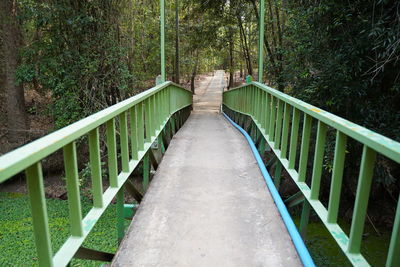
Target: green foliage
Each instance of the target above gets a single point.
(16, 233)
(343, 57)
(74, 50)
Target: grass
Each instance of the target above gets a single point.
(16, 234)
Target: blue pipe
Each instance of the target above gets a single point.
(301, 248)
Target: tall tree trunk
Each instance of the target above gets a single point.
(245, 46)
(194, 73)
(176, 76)
(14, 93)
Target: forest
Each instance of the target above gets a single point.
(63, 60)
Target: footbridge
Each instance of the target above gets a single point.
(206, 196)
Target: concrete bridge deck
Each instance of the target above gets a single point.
(208, 204)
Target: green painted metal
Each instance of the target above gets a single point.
(285, 131)
(305, 216)
(278, 173)
(240, 103)
(146, 171)
(272, 121)
(318, 160)
(95, 167)
(162, 39)
(294, 200)
(41, 231)
(170, 99)
(134, 132)
(124, 142)
(393, 258)
(261, 41)
(337, 177)
(293, 138)
(74, 199)
(112, 153)
(277, 140)
(130, 210)
(120, 215)
(305, 145)
(249, 79)
(361, 203)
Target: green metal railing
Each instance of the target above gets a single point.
(141, 118)
(277, 117)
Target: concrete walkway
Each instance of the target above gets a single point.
(208, 204)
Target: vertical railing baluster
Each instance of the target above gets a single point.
(112, 153)
(259, 101)
(147, 115)
(304, 218)
(244, 100)
(134, 132)
(267, 112)
(95, 168)
(263, 110)
(305, 147)
(361, 202)
(272, 119)
(146, 171)
(169, 96)
(277, 140)
(285, 131)
(393, 258)
(120, 214)
(124, 142)
(74, 198)
(34, 178)
(293, 138)
(318, 160)
(158, 108)
(337, 177)
(140, 126)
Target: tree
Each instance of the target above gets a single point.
(14, 92)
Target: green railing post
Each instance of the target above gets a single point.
(393, 258)
(95, 167)
(337, 177)
(112, 153)
(162, 39)
(318, 160)
(361, 203)
(37, 200)
(248, 79)
(120, 215)
(305, 215)
(261, 41)
(146, 172)
(74, 198)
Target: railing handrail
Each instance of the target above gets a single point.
(382, 144)
(19, 159)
